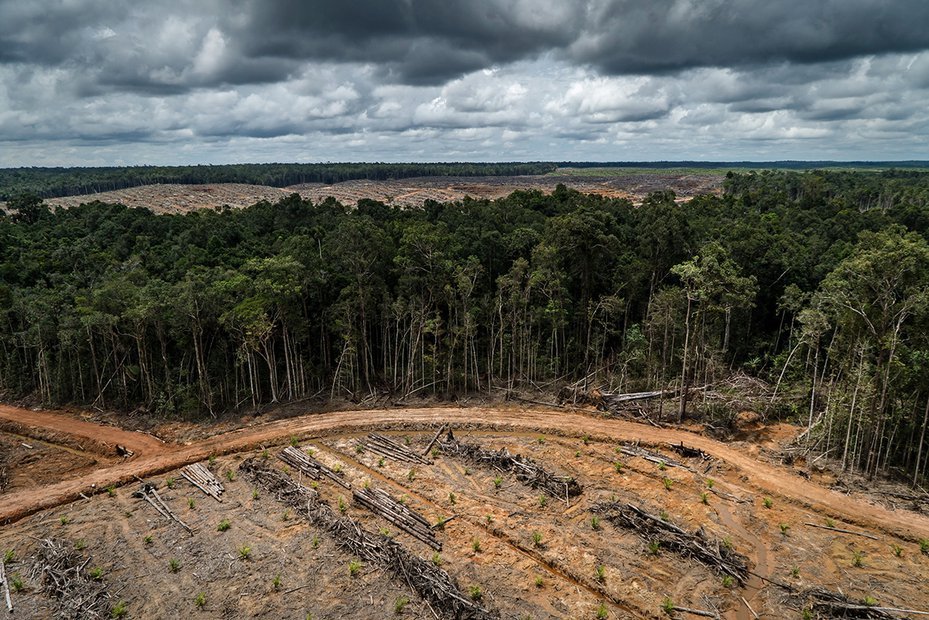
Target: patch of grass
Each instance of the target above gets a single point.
(223, 525)
(795, 572)
(435, 453)
(111, 491)
(709, 483)
(898, 550)
(211, 461)
(310, 451)
(667, 605)
(858, 559)
(728, 581)
(265, 454)
(119, 610)
(668, 483)
(385, 532)
(174, 565)
(489, 519)
(663, 514)
(80, 544)
(577, 454)
(619, 466)
(924, 545)
(381, 462)
(538, 581)
(343, 505)
(285, 516)
(452, 499)
(440, 523)
(96, 573)
(230, 475)
(65, 519)
(245, 552)
(537, 539)
(436, 559)
(540, 441)
(830, 522)
(147, 540)
(869, 601)
(767, 502)
(191, 503)
(354, 567)
(170, 482)
(727, 543)
(705, 498)
(475, 593)
(662, 466)
(200, 600)
(315, 542)
(294, 441)
(276, 582)
(476, 546)
(400, 604)
(467, 471)
(595, 522)
(9, 556)
(17, 582)
(359, 448)
(498, 482)
(600, 573)
(411, 475)
(586, 439)
(543, 501)
(784, 528)
(654, 547)
(254, 494)
(602, 612)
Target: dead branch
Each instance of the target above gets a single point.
(838, 529)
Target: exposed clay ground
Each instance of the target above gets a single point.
(403, 192)
(111, 527)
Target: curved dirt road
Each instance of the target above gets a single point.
(764, 477)
(98, 434)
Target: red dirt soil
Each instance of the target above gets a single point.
(153, 457)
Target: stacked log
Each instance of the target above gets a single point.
(525, 469)
(430, 582)
(412, 523)
(203, 479)
(391, 449)
(61, 570)
(697, 545)
(307, 465)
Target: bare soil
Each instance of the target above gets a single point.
(172, 198)
(535, 556)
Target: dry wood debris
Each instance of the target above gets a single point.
(62, 572)
(150, 494)
(652, 528)
(525, 469)
(387, 447)
(429, 581)
(309, 466)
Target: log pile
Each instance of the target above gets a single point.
(697, 545)
(391, 449)
(525, 469)
(150, 494)
(382, 503)
(308, 466)
(429, 581)
(62, 573)
(203, 479)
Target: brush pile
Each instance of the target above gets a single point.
(62, 571)
(697, 545)
(525, 469)
(429, 581)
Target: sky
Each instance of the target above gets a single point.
(123, 82)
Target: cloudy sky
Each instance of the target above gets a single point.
(95, 82)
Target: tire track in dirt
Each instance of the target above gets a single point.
(761, 476)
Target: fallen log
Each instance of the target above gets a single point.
(838, 529)
(438, 434)
(6, 587)
(148, 493)
(836, 605)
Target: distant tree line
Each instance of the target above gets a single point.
(816, 282)
(53, 182)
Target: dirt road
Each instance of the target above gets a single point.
(766, 478)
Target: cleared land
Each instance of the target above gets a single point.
(403, 192)
(511, 548)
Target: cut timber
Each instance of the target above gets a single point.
(388, 447)
(698, 545)
(435, 439)
(311, 467)
(380, 502)
(430, 582)
(148, 493)
(830, 604)
(838, 529)
(654, 457)
(525, 469)
(6, 587)
(203, 479)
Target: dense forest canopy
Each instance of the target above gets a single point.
(817, 282)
